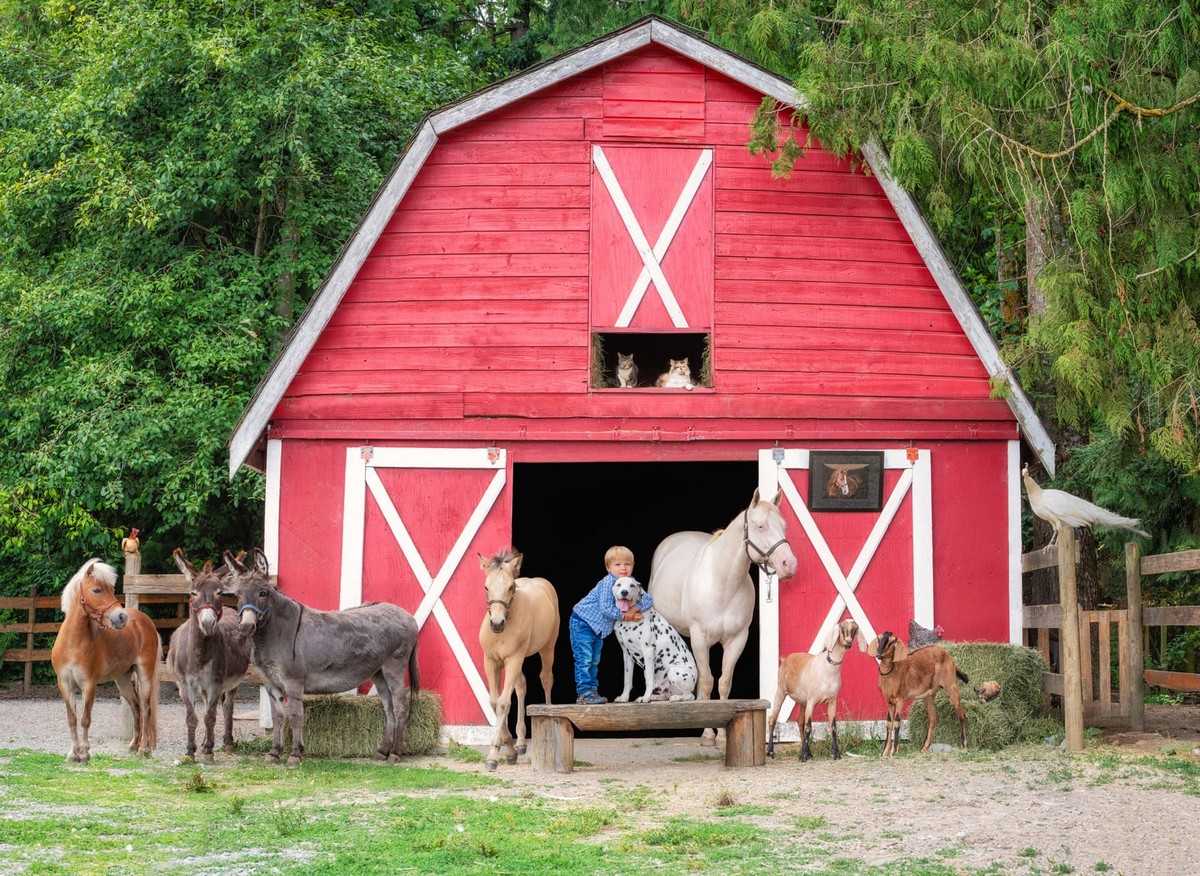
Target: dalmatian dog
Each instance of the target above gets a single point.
(653, 644)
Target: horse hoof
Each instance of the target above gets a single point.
(522, 748)
(272, 758)
(708, 740)
(229, 749)
(379, 755)
(490, 766)
(207, 757)
(512, 758)
(294, 761)
(393, 758)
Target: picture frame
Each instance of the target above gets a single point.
(845, 480)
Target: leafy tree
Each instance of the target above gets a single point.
(175, 181)
(1067, 132)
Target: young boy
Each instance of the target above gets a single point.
(593, 618)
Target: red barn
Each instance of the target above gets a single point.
(450, 389)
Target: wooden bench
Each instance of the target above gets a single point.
(552, 728)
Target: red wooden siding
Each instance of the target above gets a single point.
(476, 306)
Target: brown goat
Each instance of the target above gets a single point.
(810, 679)
(904, 677)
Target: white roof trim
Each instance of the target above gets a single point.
(653, 30)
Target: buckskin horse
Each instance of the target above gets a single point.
(521, 620)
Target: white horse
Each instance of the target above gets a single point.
(701, 583)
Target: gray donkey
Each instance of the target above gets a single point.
(300, 650)
(207, 656)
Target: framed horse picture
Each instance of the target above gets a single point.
(850, 480)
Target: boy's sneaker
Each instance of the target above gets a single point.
(591, 698)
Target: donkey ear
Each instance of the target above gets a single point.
(186, 569)
(232, 563)
(260, 562)
(873, 648)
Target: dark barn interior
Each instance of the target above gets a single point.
(566, 515)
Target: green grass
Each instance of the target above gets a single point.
(132, 816)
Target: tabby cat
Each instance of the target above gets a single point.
(678, 375)
(627, 371)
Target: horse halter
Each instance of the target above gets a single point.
(97, 616)
(765, 562)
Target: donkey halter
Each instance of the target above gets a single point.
(765, 562)
(217, 607)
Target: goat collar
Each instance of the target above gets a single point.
(889, 672)
(829, 659)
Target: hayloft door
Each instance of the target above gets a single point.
(875, 566)
(415, 520)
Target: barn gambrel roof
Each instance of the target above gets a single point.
(648, 31)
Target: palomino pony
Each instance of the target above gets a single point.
(299, 650)
(700, 582)
(99, 641)
(521, 619)
(207, 656)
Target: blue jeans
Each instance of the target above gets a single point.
(585, 649)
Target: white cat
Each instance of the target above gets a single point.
(679, 375)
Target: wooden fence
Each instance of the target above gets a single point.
(43, 615)
(1082, 675)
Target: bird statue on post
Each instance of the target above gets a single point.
(131, 547)
(1058, 507)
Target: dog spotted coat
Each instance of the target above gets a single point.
(655, 646)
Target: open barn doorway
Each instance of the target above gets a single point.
(566, 515)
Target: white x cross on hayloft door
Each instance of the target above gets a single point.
(415, 519)
(652, 228)
(873, 566)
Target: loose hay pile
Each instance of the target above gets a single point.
(352, 726)
(1016, 715)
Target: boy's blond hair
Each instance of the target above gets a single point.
(616, 553)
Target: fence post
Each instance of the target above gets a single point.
(33, 599)
(1132, 674)
(1068, 600)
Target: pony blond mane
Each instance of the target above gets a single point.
(100, 571)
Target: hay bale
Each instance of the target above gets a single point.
(1016, 716)
(339, 726)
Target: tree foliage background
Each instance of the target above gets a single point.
(176, 179)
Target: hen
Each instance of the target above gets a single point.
(1058, 507)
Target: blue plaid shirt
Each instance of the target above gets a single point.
(599, 610)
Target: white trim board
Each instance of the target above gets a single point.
(256, 417)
